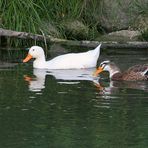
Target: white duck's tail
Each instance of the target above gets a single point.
(97, 51)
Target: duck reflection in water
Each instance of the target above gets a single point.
(71, 76)
(135, 77)
(108, 87)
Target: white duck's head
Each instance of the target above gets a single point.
(36, 52)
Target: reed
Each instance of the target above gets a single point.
(30, 15)
(38, 16)
(20, 15)
(141, 7)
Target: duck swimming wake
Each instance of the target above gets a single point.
(68, 61)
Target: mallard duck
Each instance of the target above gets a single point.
(134, 73)
(68, 61)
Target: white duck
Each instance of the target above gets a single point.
(68, 61)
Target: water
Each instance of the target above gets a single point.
(72, 109)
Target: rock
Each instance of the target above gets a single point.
(141, 23)
(114, 15)
(122, 35)
(50, 29)
(7, 65)
(75, 30)
(57, 49)
(120, 14)
(126, 33)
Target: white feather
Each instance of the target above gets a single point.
(68, 61)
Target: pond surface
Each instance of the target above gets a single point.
(72, 109)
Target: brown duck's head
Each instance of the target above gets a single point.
(107, 66)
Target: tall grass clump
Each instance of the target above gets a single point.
(57, 13)
(47, 16)
(20, 15)
(29, 15)
(141, 7)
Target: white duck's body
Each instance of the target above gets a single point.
(68, 61)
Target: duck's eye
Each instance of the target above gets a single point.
(102, 65)
(33, 49)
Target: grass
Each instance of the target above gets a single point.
(140, 7)
(29, 15)
(20, 15)
(47, 16)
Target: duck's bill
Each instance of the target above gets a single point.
(98, 70)
(27, 78)
(29, 57)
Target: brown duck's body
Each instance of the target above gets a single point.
(117, 76)
(135, 73)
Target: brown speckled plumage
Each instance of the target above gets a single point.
(134, 73)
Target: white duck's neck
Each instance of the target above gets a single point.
(39, 62)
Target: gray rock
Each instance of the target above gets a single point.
(114, 15)
(122, 35)
(126, 33)
(75, 29)
(57, 49)
(50, 29)
(120, 14)
(141, 23)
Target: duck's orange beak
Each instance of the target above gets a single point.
(27, 78)
(27, 58)
(98, 70)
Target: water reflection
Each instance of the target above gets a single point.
(112, 87)
(71, 76)
(105, 87)
(72, 110)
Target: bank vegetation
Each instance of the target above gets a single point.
(99, 20)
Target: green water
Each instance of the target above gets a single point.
(68, 109)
